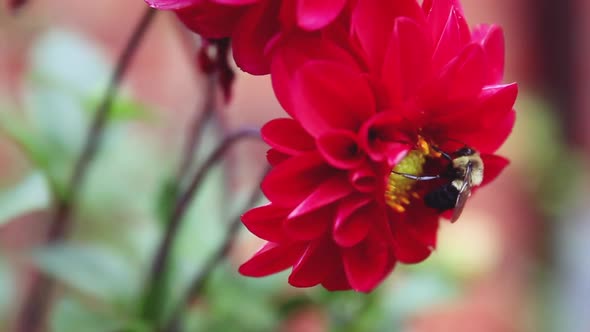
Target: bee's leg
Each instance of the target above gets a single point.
(417, 177)
(444, 154)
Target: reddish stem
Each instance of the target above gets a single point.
(156, 279)
(200, 280)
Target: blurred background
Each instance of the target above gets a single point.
(517, 261)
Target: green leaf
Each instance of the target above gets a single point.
(70, 315)
(53, 58)
(65, 69)
(67, 79)
(17, 130)
(69, 62)
(29, 195)
(235, 304)
(123, 107)
(96, 271)
(351, 311)
(117, 201)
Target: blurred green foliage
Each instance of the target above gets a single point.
(114, 233)
(553, 168)
(30, 194)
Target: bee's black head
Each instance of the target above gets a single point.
(465, 151)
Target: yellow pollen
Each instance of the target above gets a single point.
(423, 146)
(398, 192)
(398, 208)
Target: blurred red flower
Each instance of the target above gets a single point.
(254, 25)
(406, 79)
(16, 4)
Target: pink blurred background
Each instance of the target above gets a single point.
(503, 239)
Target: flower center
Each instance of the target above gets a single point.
(398, 190)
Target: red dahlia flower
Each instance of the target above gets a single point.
(407, 82)
(16, 4)
(253, 25)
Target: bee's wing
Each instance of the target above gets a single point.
(464, 193)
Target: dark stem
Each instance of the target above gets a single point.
(200, 280)
(154, 285)
(103, 110)
(35, 307)
(193, 138)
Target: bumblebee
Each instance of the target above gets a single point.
(464, 171)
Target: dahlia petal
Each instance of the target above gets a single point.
(292, 53)
(274, 42)
(300, 175)
(497, 101)
(266, 222)
(351, 225)
(329, 95)
(329, 191)
(236, 2)
(487, 126)
(287, 136)
(172, 4)
(250, 38)
(407, 61)
(491, 138)
(309, 226)
(272, 258)
(493, 166)
(372, 23)
(383, 137)
(491, 38)
(337, 280)
(448, 214)
(363, 179)
(407, 247)
(460, 81)
(211, 20)
(391, 72)
(275, 157)
(423, 223)
(319, 260)
(367, 264)
(427, 6)
(287, 14)
(468, 79)
(438, 13)
(316, 14)
(380, 229)
(281, 75)
(453, 38)
(426, 231)
(340, 148)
